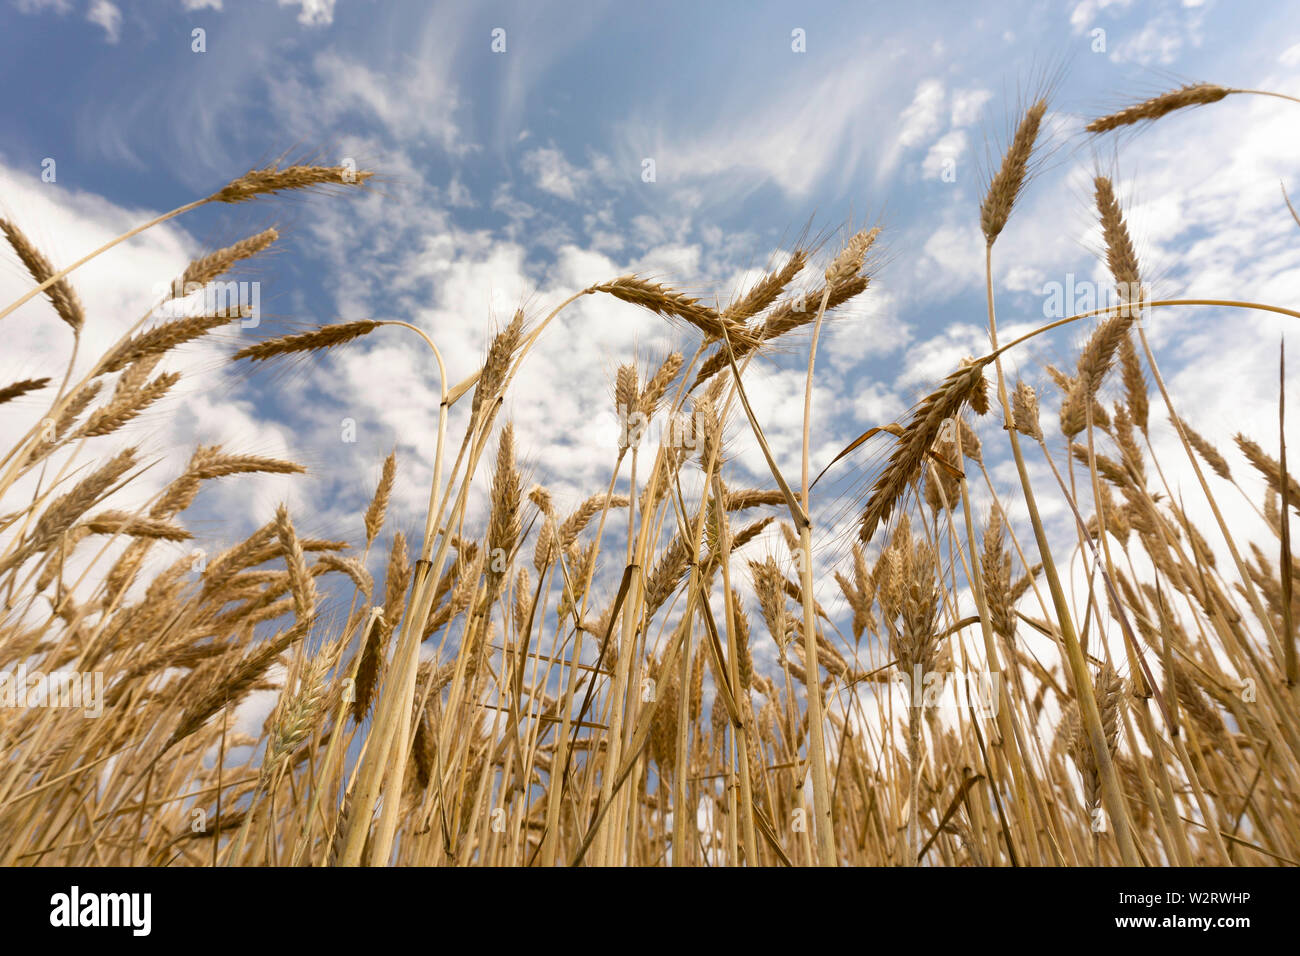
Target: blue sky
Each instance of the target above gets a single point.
(516, 177)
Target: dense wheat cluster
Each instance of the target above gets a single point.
(532, 687)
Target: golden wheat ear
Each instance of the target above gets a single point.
(1006, 184)
(21, 388)
(1150, 110)
(667, 302)
(378, 507)
(325, 337)
(60, 292)
(966, 386)
(206, 268)
(162, 339)
(273, 179)
(766, 290)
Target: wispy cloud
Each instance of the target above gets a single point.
(106, 15)
(313, 13)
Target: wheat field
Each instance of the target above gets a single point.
(536, 687)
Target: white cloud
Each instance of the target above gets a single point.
(947, 150)
(1154, 43)
(35, 6)
(553, 173)
(411, 104)
(795, 136)
(102, 13)
(956, 251)
(877, 405)
(458, 194)
(1085, 12)
(515, 209)
(1161, 40)
(968, 104)
(107, 15)
(313, 12)
(928, 362)
(920, 120)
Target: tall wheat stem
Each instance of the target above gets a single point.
(1112, 795)
(822, 810)
(392, 719)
